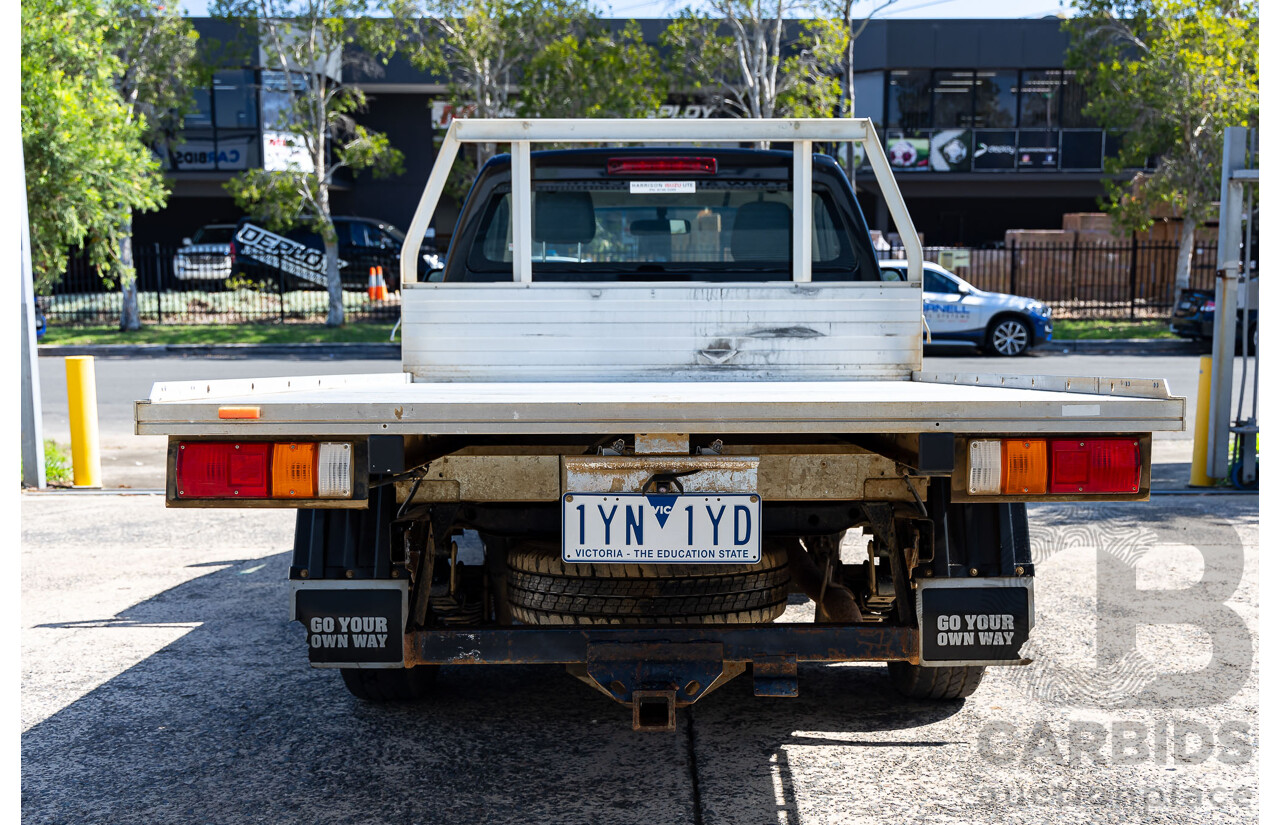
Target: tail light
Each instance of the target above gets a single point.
(287, 470)
(1057, 466)
(661, 166)
(1099, 465)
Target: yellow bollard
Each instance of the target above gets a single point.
(82, 399)
(1200, 450)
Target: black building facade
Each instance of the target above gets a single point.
(981, 122)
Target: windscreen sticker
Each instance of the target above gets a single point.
(663, 187)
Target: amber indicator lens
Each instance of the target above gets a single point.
(293, 471)
(1026, 466)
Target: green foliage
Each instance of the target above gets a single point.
(309, 43)
(88, 166)
(57, 464)
(591, 72)
(1171, 75)
(157, 48)
(763, 64)
(535, 58)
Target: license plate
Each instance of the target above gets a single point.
(635, 528)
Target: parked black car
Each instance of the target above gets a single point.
(1194, 312)
(362, 243)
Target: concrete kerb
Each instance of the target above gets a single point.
(363, 351)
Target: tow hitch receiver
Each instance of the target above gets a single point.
(656, 677)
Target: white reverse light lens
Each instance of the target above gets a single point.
(333, 470)
(984, 468)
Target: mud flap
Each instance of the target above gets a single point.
(974, 621)
(352, 624)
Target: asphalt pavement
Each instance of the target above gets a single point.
(162, 683)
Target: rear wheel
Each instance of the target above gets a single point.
(390, 685)
(920, 682)
(1008, 336)
(544, 590)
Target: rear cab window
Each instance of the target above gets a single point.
(596, 219)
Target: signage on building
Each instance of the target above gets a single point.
(691, 111)
(949, 150)
(908, 153)
(228, 154)
(285, 151)
(442, 113)
(995, 149)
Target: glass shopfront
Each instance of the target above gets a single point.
(984, 120)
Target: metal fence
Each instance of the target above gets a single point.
(1086, 279)
(211, 288)
(1111, 279)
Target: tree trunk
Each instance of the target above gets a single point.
(129, 319)
(1186, 248)
(336, 314)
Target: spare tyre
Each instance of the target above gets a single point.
(542, 589)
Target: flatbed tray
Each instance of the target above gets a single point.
(929, 402)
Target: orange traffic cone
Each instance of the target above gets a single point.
(373, 283)
(382, 286)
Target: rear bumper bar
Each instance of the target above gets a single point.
(570, 645)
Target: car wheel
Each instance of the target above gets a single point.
(1008, 336)
(918, 682)
(390, 685)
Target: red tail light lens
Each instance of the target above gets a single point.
(662, 166)
(213, 469)
(1099, 465)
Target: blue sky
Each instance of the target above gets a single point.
(902, 9)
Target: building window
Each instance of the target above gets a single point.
(909, 99)
(202, 116)
(868, 96)
(235, 102)
(1074, 99)
(1038, 97)
(995, 100)
(952, 99)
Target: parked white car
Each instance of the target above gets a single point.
(957, 312)
(207, 256)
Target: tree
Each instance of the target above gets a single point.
(591, 71)
(534, 58)
(1170, 75)
(844, 10)
(88, 166)
(308, 43)
(158, 67)
(755, 61)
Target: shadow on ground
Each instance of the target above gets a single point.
(228, 724)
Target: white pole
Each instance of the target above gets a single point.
(521, 212)
(802, 211)
(32, 426)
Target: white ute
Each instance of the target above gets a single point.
(666, 388)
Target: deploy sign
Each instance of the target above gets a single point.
(278, 251)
